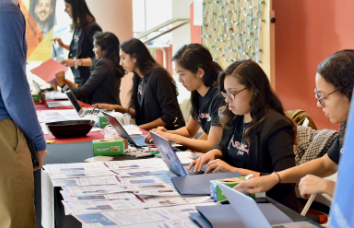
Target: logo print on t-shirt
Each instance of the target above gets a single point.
(240, 146)
(204, 116)
(140, 89)
(76, 38)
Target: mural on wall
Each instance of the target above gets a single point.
(40, 16)
(232, 29)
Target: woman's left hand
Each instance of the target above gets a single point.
(311, 184)
(60, 78)
(218, 165)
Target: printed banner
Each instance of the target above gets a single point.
(40, 15)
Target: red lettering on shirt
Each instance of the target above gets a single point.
(238, 145)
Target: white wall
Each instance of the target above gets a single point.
(116, 16)
(180, 37)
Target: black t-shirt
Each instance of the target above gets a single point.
(335, 151)
(140, 92)
(208, 109)
(74, 49)
(238, 147)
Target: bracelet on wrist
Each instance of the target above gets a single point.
(278, 177)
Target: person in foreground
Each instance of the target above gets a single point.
(17, 118)
(153, 101)
(198, 73)
(257, 137)
(334, 89)
(103, 84)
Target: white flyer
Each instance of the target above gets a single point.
(119, 172)
(88, 181)
(158, 193)
(111, 165)
(94, 190)
(145, 163)
(108, 180)
(118, 218)
(90, 206)
(176, 200)
(97, 197)
(74, 167)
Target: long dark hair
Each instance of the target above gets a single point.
(338, 70)
(81, 13)
(192, 57)
(144, 62)
(251, 75)
(110, 44)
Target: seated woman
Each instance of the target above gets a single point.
(334, 89)
(153, 101)
(257, 137)
(103, 85)
(198, 73)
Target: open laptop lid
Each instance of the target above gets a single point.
(118, 127)
(245, 207)
(73, 101)
(168, 155)
(36, 86)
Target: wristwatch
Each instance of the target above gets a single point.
(65, 87)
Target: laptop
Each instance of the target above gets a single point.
(82, 112)
(136, 140)
(56, 104)
(170, 157)
(36, 86)
(250, 214)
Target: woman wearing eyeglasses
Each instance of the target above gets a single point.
(257, 137)
(334, 89)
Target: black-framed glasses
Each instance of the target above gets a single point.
(322, 95)
(232, 95)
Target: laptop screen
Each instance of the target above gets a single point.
(117, 126)
(73, 100)
(168, 154)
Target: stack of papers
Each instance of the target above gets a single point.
(132, 193)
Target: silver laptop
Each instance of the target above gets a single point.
(170, 157)
(250, 214)
(82, 112)
(56, 104)
(136, 140)
(36, 86)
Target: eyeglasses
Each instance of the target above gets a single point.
(321, 95)
(232, 95)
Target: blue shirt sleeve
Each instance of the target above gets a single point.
(15, 93)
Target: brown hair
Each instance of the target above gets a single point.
(251, 75)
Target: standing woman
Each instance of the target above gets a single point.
(198, 73)
(80, 48)
(153, 101)
(257, 137)
(104, 82)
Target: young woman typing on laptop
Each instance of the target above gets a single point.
(257, 137)
(334, 89)
(103, 85)
(198, 73)
(153, 99)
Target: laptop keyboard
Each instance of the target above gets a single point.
(190, 171)
(140, 140)
(90, 112)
